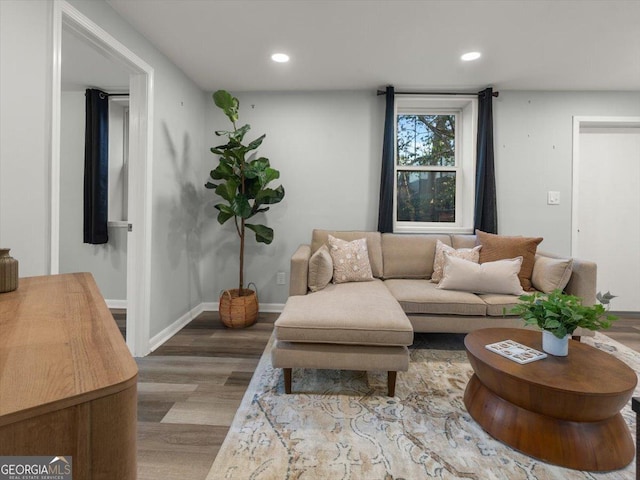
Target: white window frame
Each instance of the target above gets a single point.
(466, 110)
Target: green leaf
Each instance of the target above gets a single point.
(263, 233)
(228, 103)
(256, 143)
(228, 189)
(225, 213)
(210, 185)
(240, 206)
(239, 134)
(269, 196)
(223, 171)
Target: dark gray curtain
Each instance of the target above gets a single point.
(486, 213)
(385, 206)
(96, 167)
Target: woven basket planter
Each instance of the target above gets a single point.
(236, 310)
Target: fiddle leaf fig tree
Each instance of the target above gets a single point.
(241, 179)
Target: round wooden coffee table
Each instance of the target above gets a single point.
(562, 410)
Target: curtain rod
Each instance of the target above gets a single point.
(117, 94)
(382, 92)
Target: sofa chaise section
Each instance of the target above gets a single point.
(350, 326)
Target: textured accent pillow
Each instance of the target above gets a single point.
(500, 276)
(350, 260)
(471, 254)
(550, 274)
(499, 247)
(320, 269)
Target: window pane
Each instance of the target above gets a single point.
(426, 140)
(426, 197)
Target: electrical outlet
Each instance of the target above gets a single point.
(281, 278)
(553, 198)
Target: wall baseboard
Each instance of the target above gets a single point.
(264, 307)
(160, 338)
(121, 304)
(180, 323)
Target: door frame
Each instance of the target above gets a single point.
(141, 80)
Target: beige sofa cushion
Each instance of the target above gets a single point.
(463, 241)
(320, 269)
(357, 313)
(422, 296)
(374, 244)
(339, 357)
(409, 256)
(499, 305)
(550, 274)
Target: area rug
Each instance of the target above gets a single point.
(341, 425)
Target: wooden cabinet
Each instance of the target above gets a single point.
(67, 379)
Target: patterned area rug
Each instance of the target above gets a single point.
(341, 425)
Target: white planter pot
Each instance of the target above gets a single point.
(554, 345)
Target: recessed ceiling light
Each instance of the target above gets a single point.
(280, 57)
(469, 56)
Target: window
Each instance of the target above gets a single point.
(435, 164)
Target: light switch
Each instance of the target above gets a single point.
(553, 198)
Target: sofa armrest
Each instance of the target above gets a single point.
(299, 271)
(583, 281)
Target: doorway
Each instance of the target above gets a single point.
(606, 204)
(140, 86)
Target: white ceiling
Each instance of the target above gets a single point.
(412, 44)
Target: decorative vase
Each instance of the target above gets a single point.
(554, 345)
(238, 309)
(8, 271)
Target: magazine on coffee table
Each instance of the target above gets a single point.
(516, 351)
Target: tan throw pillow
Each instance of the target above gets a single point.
(350, 260)
(471, 254)
(320, 269)
(550, 274)
(499, 247)
(500, 276)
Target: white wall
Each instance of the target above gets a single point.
(107, 262)
(533, 151)
(25, 72)
(178, 153)
(25, 66)
(327, 147)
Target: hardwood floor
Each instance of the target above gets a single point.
(190, 388)
(188, 392)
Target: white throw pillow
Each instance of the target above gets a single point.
(500, 276)
(320, 269)
(550, 274)
(350, 260)
(471, 254)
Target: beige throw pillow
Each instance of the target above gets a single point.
(350, 260)
(471, 254)
(320, 269)
(550, 274)
(500, 276)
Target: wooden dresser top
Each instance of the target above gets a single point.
(59, 346)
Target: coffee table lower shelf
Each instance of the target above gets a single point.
(577, 445)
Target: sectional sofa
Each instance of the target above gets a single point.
(368, 325)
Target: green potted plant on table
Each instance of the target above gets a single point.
(241, 180)
(558, 315)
